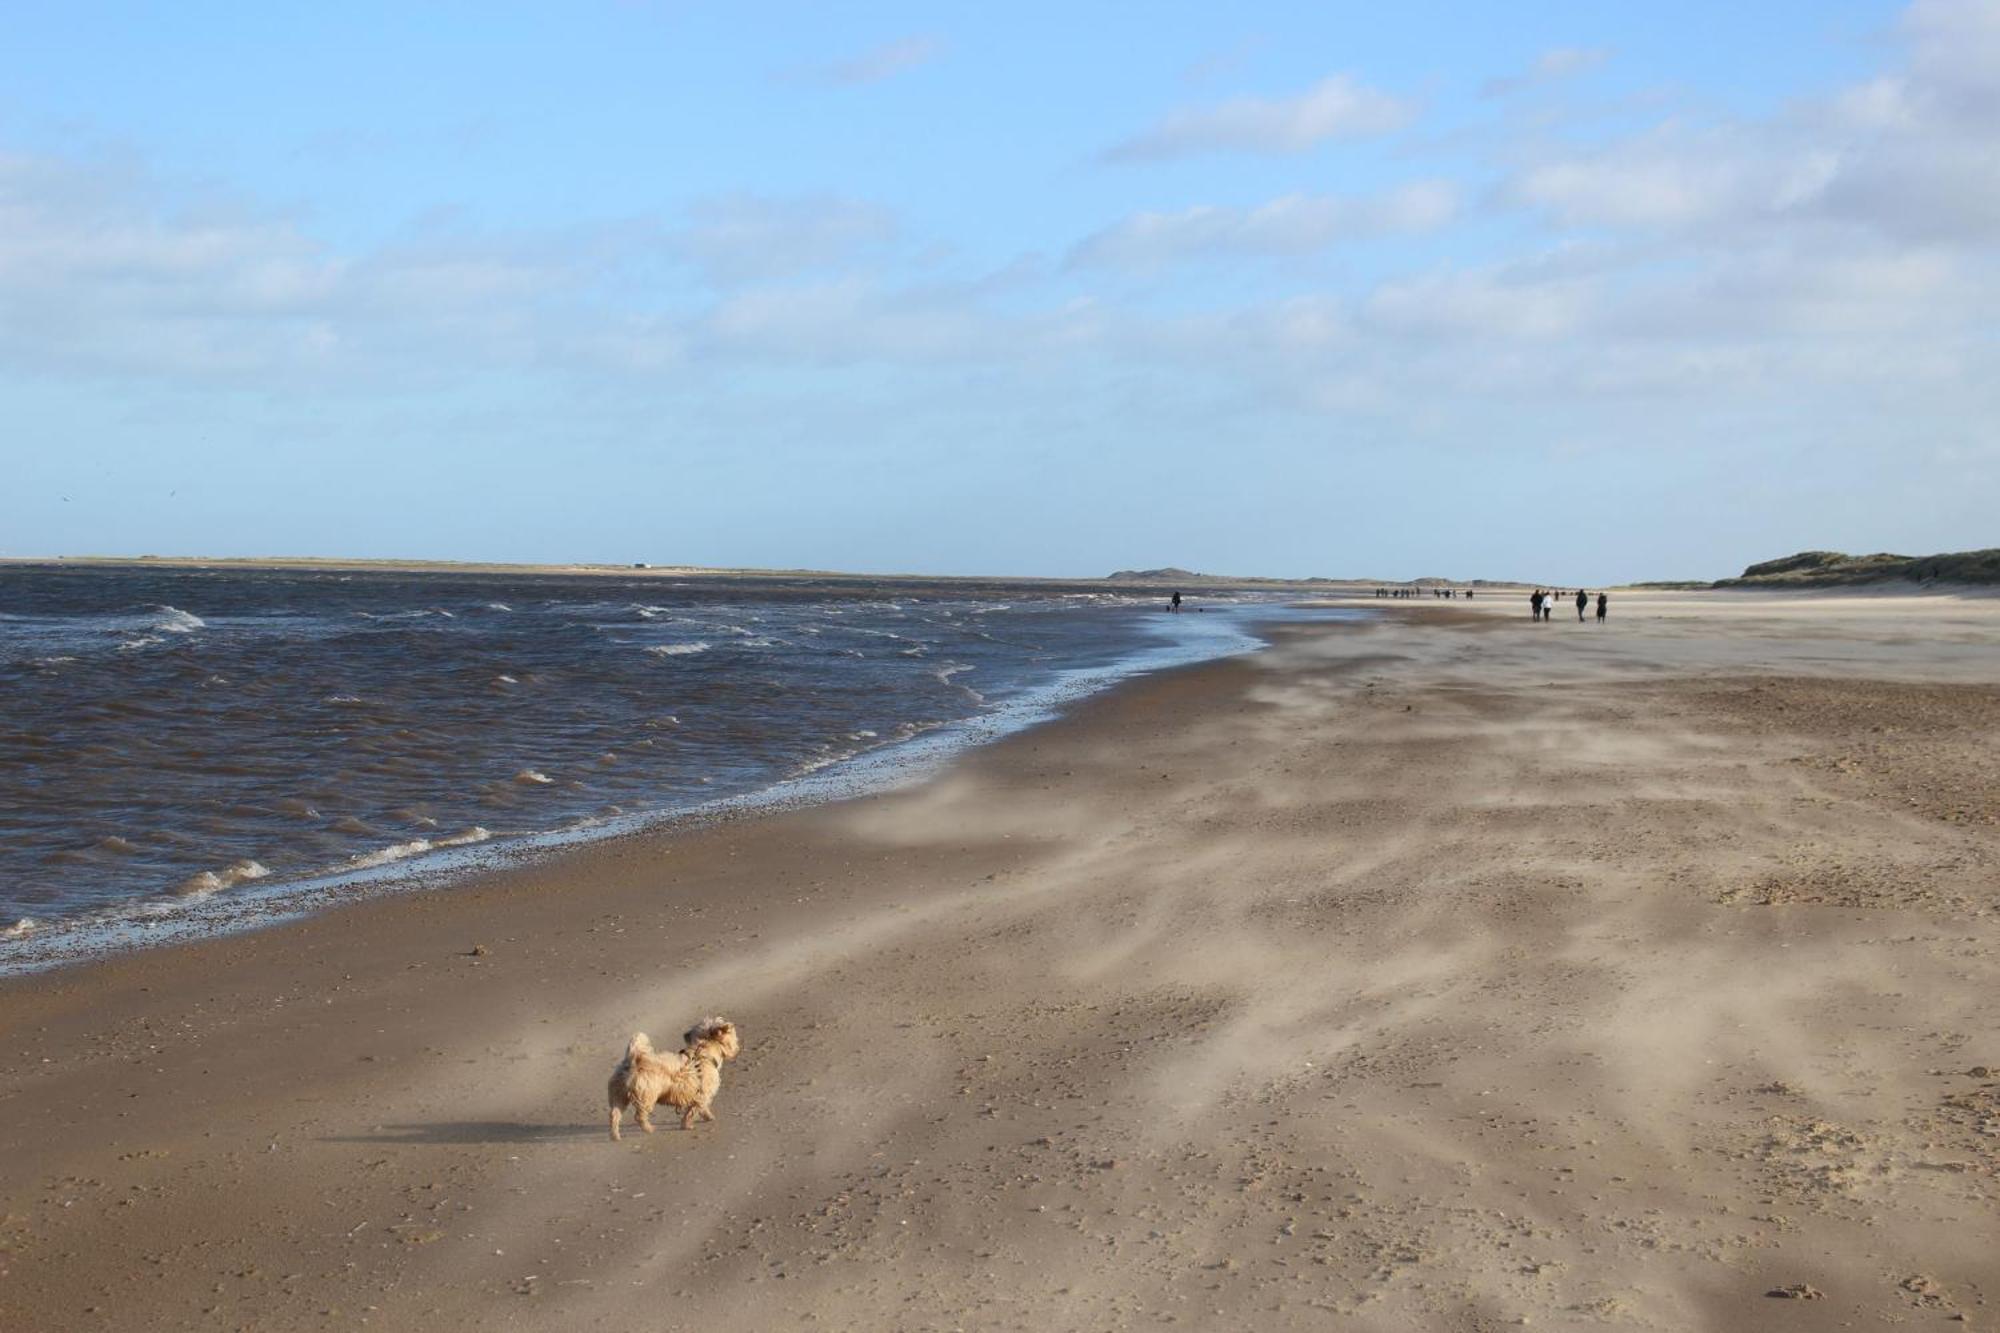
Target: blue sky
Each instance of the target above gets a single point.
(1564, 291)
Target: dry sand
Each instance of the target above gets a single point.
(1453, 973)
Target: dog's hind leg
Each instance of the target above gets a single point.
(645, 1116)
(687, 1117)
(617, 1114)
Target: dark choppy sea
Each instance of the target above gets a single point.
(186, 749)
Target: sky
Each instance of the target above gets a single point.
(1562, 291)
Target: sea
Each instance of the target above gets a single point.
(189, 750)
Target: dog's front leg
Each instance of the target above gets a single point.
(687, 1117)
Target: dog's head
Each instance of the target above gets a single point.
(719, 1034)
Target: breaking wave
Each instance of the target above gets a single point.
(215, 881)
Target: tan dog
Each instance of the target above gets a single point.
(687, 1079)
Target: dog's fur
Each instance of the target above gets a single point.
(687, 1079)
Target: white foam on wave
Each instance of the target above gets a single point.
(944, 676)
(817, 762)
(341, 699)
(173, 620)
(414, 613)
(214, 881)
(679, 649)
(533, 778)
(20, 930)
(395, 851)
(477, 833)
(506, 680)
(498, 606)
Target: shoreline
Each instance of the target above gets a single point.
(1439, 972)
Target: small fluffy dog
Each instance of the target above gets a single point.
(687, 1078)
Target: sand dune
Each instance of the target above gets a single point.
(1450, 973)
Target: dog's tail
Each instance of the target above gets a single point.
(641, 1044)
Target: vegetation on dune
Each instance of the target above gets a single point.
(1827, 569)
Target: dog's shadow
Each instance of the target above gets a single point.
(473, 1131)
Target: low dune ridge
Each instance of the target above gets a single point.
(1451, 971)
(1831, 569)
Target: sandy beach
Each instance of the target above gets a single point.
(1448, 972)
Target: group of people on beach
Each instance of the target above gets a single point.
(1435, 592)
(1541, 604)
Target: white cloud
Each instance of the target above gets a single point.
(1908, 154)
(1224, 63)
(105, 269)
(1673, 177)
(1337, 107)
(1552, 66)
(1503, 303)
(845, 320)
(1955, 52)
(1291, 225)
(876, 64)
(743, 236)
(1799, 295)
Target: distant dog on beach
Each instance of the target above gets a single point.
(687, 1078)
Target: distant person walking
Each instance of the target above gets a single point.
(1177, 601)
(1601, 601)
(1535, 605)
(1582, 600)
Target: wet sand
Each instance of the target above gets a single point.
(1450, 973)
